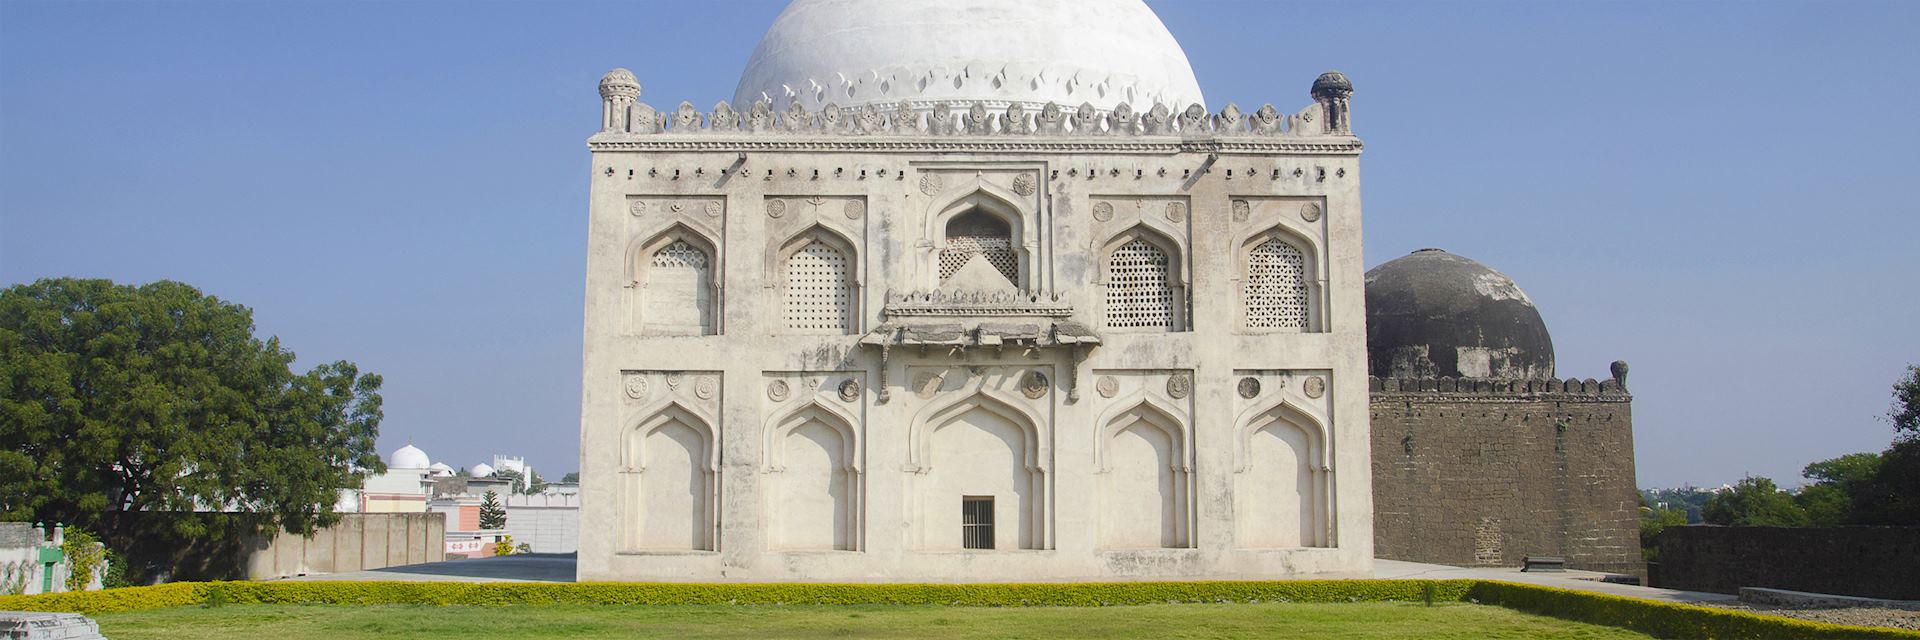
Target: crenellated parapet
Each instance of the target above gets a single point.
(625, 116)
(1612, 389)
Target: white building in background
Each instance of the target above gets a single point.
(404, 487)
(973, 290)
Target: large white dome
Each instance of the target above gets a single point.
(858, 52)
(408, 457)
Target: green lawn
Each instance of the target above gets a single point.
(1262, 620)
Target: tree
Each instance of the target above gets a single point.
(119, 399)
(572, 477)
(515, 482)
(1829, 501)
(535, 483)
(1755, 502)
(1905, 413)
(1654, 519)
(492, 515)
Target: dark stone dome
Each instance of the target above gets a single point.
(1331, 83)
(1435, 314)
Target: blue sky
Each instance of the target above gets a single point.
(1717, 193)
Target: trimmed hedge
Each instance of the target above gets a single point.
(1660, 619)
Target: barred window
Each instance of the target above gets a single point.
(1138, 294)
(679, 291)
(979, 233)
(817, 292)
(1276, 296)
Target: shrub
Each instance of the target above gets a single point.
(503, 546)
(1661, 619)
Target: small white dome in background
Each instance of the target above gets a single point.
(409, 457)
(880, 52)
(440, 470)
(481, 470)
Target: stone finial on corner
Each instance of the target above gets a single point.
(1619, 370)
(1331, 90)
(619, 91)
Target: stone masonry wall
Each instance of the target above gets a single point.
(1484, 472)
(1870, 562)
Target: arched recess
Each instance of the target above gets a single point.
(1283, 489)
(669, 481)
(813, 455)
(1143, 454)
(980, 445)
(1144, 278)
(1282, 282)
(802, 272)
(981, 197)
(675, 283)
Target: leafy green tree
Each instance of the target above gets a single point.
(572, 477)
(119, 399)
(515, 481)
(492, 514)
(1892, 497)
(1654, 519)
(1828, 501)
(535, 483)
(1905, 413)
(1755, 502)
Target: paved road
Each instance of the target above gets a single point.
(557, 567)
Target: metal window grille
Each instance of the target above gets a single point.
(817, 295)
(1276, 286)
(1137, 291)
(976, 522)
(997, 249)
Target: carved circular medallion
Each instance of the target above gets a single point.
(1249, 387)
(677, 207)
(1035, 385)
(849, 389)
(1107, 386)
(926, 385)
(856, 208)
(1103, 211)
(1176, 211)
(713, 208)
(1242, 211)
(1310, 212)
(1179, 385)
(637, 207)
(777, 391)
(1314, 387)
(705, 386)
(776, 208)
(673, 379)
(930, 183)
(1023, 184)
(636, 386)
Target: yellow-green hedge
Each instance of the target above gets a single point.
(1660, 619)
(637, 593)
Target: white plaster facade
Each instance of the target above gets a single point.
(813, 335)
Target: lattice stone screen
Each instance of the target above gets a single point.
(817, 293)
(679, 293)
(997, 249)
(1276, 286)
(1137, 290)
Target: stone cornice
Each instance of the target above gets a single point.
(661, 142)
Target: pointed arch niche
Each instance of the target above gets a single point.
(984, 446)
(1143, 457)
(978, 217)
(815, 493)
(669, 482)
(1283, 488)
(675, 283)
(816, 278)
(1144, 279)
(1282, 283)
